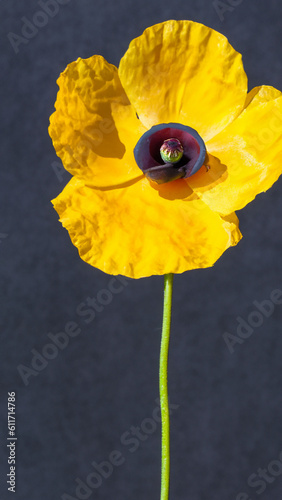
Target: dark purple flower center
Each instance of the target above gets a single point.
(148, 156)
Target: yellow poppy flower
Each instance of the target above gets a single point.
(128, 210)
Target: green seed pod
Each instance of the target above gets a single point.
(171, 151)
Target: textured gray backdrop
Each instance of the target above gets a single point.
(226, 419)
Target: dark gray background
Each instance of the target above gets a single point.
(229, 420)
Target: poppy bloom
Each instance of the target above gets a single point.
(163, 150)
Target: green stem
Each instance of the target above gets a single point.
(168, 281)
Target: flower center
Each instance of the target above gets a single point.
(170, 151)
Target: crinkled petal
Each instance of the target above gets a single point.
(94, 128)
(141, 231)
(246, 157)
(185, 72)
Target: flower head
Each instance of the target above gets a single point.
(163, 150)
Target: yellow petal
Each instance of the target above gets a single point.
(248, 155)
(184, 72)
(94, 128)
(141, 230)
